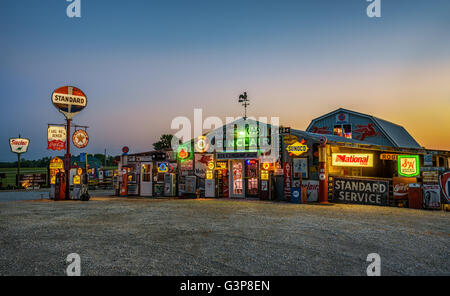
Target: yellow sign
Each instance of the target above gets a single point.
(388, 156)
(298, 148)
(352, 159)
(79, 171)
(56, 163)
(209, 175)
(264, 175)
(211, 165)
(76, 179)
(290, 139)
(220, 165)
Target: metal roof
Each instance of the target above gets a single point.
(397, 134)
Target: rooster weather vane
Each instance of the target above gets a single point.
(245, 102)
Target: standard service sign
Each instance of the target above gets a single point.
(19, 145)
(69, 100)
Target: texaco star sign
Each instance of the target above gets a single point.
(80, 138)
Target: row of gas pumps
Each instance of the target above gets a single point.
(79, 190)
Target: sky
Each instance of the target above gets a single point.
(143, 63)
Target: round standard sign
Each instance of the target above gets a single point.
(80, 139)
(69, 100)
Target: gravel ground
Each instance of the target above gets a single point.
(117, 236)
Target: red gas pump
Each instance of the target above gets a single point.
(323, 182)
(124, 183)
(60, 186)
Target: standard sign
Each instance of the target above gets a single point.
(69, 100)
(19, 145)
(360, 191)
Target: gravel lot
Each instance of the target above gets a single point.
(117, 236)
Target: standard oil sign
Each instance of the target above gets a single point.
(360, 191)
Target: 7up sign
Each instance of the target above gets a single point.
(19, 145)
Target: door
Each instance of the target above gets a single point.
(251, 178)
(146, 179)
(237, 178)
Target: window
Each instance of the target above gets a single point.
(343, 130)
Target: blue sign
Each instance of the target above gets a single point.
(82, 157)
(296, 195)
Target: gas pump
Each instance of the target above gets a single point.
(210, 184)
(124, 183)
(84, 195)
(60, 186)
(265, 184)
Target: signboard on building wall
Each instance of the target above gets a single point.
(408, 165)
(400, 186)
(312, 189)
(360, 191)
(431, 197)
(342, 118)
(300, 166)
(352, 159)
(201, 164)
(444, 183)
(428, 160)
(287, 173)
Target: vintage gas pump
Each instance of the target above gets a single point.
(124, 183)
(210, 184)
(323, 178)
(60, 186)
(266, 181)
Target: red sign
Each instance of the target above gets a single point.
(444, 182)
(125, 149)
(80, 139)
(287, 171)
(400, 186)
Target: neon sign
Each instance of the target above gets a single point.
(183, 154)
(408, 165)
(202, 144)
(163, 167)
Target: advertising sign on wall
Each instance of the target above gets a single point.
(444, 182)
(56, 137)
(297, 148)
(341, 118)
(287, 172)
(201, 164)
(400, 186)
(352, 159)
(300, 166)
(360, 191)
(408, 165)
(431, 197)
(312, 188)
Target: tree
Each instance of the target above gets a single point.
(163, 143)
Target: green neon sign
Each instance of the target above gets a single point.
(408, 165)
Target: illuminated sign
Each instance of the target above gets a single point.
(79, 171)
(19, 145)
(408, 165)
(80, 139)
(209, 175)
(388, 156)
(183, 154)
(163, 167)
(69, 100)
(267, 166)
(202, 144)
(56, 137)
(298, 148)
(290, 139)
(264, 175)
(352, 159)
(220, 165)
(211, 165)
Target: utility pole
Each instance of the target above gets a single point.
(105, 159)
(18, 169)
(245, 102)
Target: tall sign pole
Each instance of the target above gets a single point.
(18, 145)
(69, 100)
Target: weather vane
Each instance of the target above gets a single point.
(245, 102)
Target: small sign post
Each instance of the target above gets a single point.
(18, 145)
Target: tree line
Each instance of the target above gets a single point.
(44, 162)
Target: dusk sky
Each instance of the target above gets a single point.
(142, 63)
